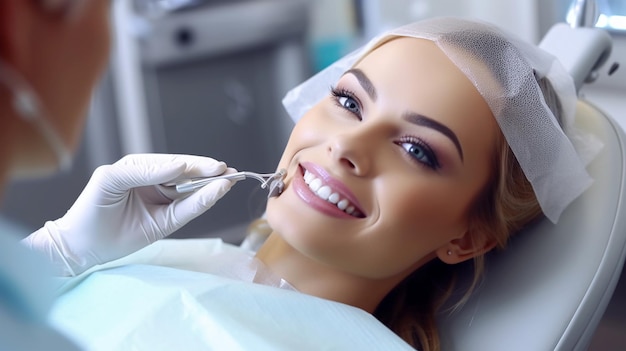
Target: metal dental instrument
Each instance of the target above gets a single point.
(273, 180)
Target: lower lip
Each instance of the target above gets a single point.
(306, 194)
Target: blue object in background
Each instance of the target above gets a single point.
(329, 50)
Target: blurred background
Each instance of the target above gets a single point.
(207, 77)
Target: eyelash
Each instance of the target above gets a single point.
(340, 93)
(431, 158)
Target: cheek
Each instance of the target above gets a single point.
(308, 132)
(294, 144)
(285, 213)
(428, 208)
(413, 224)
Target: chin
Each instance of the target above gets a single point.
(294, 226)
(280, 218)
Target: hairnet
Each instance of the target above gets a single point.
(505, 71)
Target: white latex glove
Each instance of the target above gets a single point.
(123, 209)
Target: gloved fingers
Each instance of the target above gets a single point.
(201, 166)
(196, 166)
(119, 178)
(171, 193)
(146, 159)
(182, 211)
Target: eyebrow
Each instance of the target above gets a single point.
(411, 117)
(365, 82)
(424, 121)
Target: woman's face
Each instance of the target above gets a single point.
(406, 143)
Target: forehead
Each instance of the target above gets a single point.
(417, 73)
(419, 66)
(411, 74)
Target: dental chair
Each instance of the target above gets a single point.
(550, 288)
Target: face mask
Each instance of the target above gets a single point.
(28, 107)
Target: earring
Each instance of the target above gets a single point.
(449, 252)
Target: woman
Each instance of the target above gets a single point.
(51, 55)
(408, 167)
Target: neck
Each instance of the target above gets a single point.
(318, 279)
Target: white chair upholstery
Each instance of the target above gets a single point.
(550, 288)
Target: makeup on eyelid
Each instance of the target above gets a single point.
(368, 90)
(434, 153)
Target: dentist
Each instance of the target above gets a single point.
(52, 53)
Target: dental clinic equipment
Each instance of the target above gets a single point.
(581, 48)
(273, 180)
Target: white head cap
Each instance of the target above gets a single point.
(506, 71)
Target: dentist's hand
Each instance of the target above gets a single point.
(123, 208)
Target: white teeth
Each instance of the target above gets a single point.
(308, 177)
(333, 198)
(343, 204)
(315, 184)
(326, 193)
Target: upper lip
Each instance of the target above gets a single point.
(336, 185)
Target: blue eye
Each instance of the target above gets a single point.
(347, 101)
(349, 104)
(420, 152)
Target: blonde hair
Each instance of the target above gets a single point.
(505, 205)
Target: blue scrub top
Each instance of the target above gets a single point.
(26, 294)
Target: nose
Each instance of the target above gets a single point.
(352, 152)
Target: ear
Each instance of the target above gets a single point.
(465, 247)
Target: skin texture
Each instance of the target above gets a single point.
(62, 56)
(414, 209)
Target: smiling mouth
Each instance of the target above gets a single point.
(326, 193)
